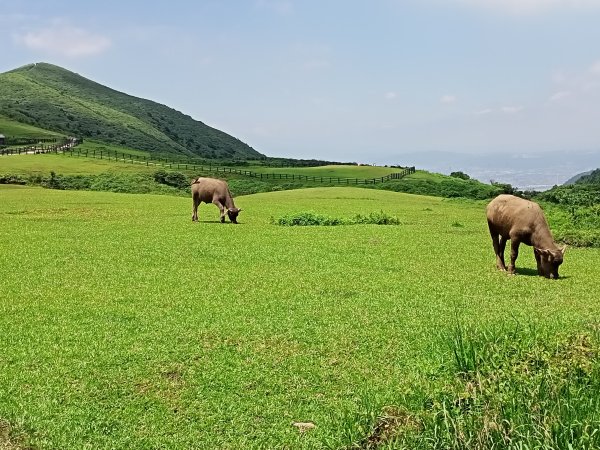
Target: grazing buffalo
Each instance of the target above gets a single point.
(210, 190)
(520, 220)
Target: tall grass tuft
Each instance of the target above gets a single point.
(510, 390)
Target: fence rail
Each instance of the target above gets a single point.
(68, 148)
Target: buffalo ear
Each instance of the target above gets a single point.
(240, 210)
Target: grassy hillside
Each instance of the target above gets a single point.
(56, 99)
(125, 325)
(427, 183)
(10, 127)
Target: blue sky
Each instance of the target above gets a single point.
(366, 81)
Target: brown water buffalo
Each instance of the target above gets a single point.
(520, 220)
(211, 190)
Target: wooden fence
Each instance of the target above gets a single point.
(56, 147)
(68, 148)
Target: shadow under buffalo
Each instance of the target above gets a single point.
(532, 272)
(526, 271)
(217, 221)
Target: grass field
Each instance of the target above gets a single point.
(43, 164)
(125, 325)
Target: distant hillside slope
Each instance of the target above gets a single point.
(56, 99)
(592, 177)
(575, 178)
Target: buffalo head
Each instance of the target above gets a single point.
(232, 213)
(549, 261)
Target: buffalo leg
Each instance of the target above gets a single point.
(538, 260)
(496, 244)
(499, 243)
(222, 209)
(196, 202)
(502, 247)
(514, 253)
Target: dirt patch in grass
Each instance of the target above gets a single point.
(391, 424)
(10, 439)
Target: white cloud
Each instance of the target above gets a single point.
(483, 112)
(511, 109)
(574, 83)
(595, 69)
(65, 40)
(448, 99)
(559, 95)
(390, 95)
(527, 7)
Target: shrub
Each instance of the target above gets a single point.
(311, 219)
(12, 179)
(376, 218)
(461, 175)
(304, 219)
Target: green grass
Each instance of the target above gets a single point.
(43, 164)
(341, 171)
(125, 325)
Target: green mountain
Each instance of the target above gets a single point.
(52, 98)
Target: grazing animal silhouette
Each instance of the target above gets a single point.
(520, 220)
(211, 190)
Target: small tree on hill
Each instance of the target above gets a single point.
(460, 175)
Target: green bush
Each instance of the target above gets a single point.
(12, 179)
(461, 175)
(308, 219)
(375, 218)
(313, 219)
(575, 225)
